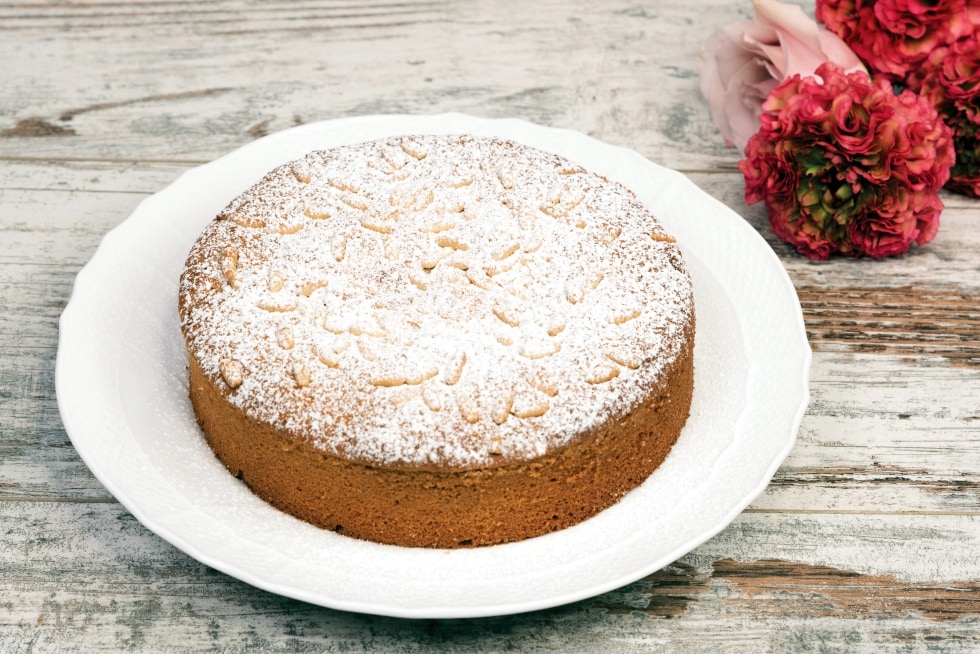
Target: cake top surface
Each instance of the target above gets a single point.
(435, 301)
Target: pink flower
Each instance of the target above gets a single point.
(844, 165)
(951, 72)
(742, 62)
(930, 46)
(894, 37)
(950, 80)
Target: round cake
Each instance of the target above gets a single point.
(438, 341)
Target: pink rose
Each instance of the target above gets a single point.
(742, 62)
(845, 165)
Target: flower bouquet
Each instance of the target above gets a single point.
(846, 163)
(930, 47)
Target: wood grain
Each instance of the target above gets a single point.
(185, 84)
(137, 591)
(823, 591)
(902, 321)
(868, 537)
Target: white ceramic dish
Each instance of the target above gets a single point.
(122, 391)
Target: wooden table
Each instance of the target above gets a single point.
(868, 537)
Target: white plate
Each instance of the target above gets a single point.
(122, 391)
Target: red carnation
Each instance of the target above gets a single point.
(845, 165)
(893, 37)
(950, 80)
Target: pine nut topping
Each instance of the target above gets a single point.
(285, 338)
(301, 171)
(485, 299)
(468, 409)
(229, 266)
(328, 356)
(276, 281)
(453, 369)
(602, 373)
(413, 150)
(318, 213)
(543, 384)
(537, 348)
(627, 360)
(450, 242)
(376, 225)
(530, 408)
(233, 372)
(432, 398)
(301, 374)
(387, 380)
(354, 202)
(620, 316)
(507, 315)
(505, 250)
(502, 410)
(338, 247)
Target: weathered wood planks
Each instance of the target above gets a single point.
(765, 583)
(190, 82)
(868, 538)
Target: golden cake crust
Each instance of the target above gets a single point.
(438, 341)
(448, 509)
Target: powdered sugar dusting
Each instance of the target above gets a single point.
(435, 300)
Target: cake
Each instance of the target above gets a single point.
(438, 341)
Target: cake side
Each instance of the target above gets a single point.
(447, 508)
